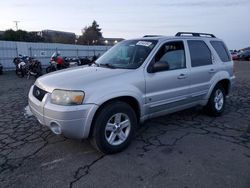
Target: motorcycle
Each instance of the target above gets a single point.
(34, 68)
(72, 61)
(20, 63)
(85, 61)
(27, 66)
(58, 63)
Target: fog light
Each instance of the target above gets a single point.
(55, 128)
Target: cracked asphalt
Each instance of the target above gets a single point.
(185, 149)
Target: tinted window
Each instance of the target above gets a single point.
(200, 53)
(173, 54)
(221, 50)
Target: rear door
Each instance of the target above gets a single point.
(203, 68)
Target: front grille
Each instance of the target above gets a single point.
(38, 93)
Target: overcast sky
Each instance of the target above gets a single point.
(227, 19)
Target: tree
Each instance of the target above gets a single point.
(10, 35)
(91, 34)
(21, 35)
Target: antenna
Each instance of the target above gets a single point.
(16, 23)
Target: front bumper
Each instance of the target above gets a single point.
(71, 121)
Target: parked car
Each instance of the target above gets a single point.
(245, 55)
(1, 69)
(134, 81)
(234, 55)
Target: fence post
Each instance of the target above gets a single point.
(30, 51)
(16, 50)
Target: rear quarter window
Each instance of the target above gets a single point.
(221, 50)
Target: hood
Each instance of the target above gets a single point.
(76, 78)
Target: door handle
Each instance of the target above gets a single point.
(182, 76)
(211, 71)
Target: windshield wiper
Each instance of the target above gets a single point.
(108, 65)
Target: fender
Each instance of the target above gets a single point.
(111, 95)
(222, 75)
(130, 91)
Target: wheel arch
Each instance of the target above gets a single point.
(225, 82)
(130, 100)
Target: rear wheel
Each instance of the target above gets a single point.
(39, 71)
(217, 100)
(114, 127)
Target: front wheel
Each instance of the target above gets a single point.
(20, 73)
(217, 100)
(50, 68)
(114, 127)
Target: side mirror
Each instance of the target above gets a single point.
(159, 66)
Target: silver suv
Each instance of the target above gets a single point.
(135, 80)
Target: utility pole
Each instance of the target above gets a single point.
(16, 23)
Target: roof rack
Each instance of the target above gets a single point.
(195, 34)
(152, 36)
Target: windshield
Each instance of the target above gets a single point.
(55, 54)
(129, 54)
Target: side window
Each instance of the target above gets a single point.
(200, 53)
(172, 53)
(221, 50)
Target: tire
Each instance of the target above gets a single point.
(217, 101)
(109, 137)
(19, 73)
(50, 69)
(39, 71)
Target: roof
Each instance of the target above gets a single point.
(180, 35)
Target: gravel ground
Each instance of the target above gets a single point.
(184, 149)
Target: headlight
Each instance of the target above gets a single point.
(66, 98)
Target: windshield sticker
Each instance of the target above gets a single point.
(144, 43)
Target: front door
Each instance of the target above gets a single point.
(167, 89)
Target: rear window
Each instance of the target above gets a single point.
(221, 50)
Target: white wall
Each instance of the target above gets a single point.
(43, 51)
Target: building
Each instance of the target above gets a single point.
(58, 36)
